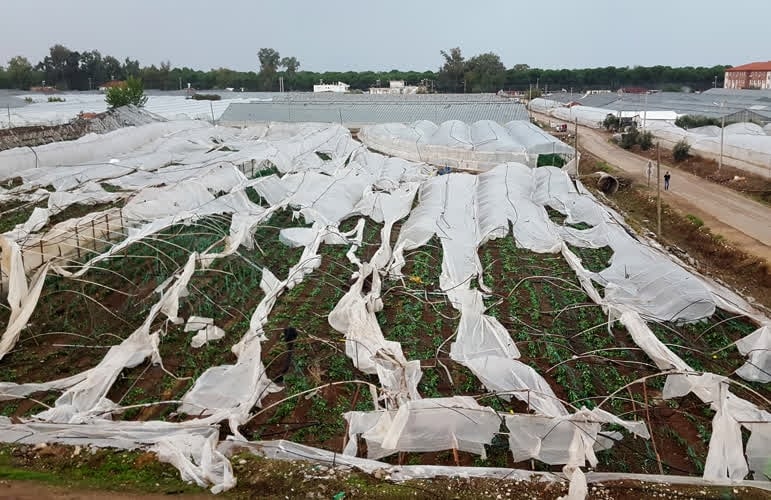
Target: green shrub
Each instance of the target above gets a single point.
(132, 93)
(56, 99)
(29, 100)
(694, 220)
(681, 151)
(552, 160)
(645, 140)
(207, 97)
(611, 123)
(629, 138)
(694, 121)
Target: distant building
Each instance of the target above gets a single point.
(755, 75)
(331, 87)
(633, 90)
(45, 90)
(395, 87)
(111, 84)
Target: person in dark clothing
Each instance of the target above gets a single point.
(666, 181)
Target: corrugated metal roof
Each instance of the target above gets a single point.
(368, 111)
(707, 103)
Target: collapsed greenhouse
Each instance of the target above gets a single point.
(190, 289)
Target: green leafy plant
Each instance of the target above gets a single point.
(611, 123)
(207, 97)
(681, 151)
(132, 93)
(694, 121)
(645, 140)
(694, 220)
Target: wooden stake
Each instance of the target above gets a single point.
(653, 439)
(658, 189)
(77, 240)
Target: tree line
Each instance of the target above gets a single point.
(66, 69)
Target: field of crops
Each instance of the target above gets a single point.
(587, 360)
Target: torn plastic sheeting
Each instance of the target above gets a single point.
(287, 450)
(726, 460)
(190, 447)
(21, 298)
(214, 393)
(354, 316)
(759, 450)
(510, 377)
(757, 347)
(99, 433)
(570, 439)
(467, 426)
(205, 330)
(479, 335)
(239, 229)
(79, 400)
(198, 460)
(725, 457)
(37, 220)
(89, 193)
(639, 276)
(205, 335)
(91, 147)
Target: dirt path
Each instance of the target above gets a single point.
(742, 221)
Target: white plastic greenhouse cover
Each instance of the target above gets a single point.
(641, 283)
(478, 146)
(742, 142)
(42, 112)
(745, 145)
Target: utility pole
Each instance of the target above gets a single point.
(575, 147)
(650, 171)
(658, 189)
(722, 136)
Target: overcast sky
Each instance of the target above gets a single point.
(338, 35)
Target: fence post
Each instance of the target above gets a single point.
(93, 233)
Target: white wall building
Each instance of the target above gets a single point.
(331, 87)
(394, 87)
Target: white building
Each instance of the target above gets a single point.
(394, 87)
(331, 87)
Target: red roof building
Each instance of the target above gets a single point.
(112, 83)
(755, 75)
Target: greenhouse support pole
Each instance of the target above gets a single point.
(578, 172)
(658, 189)
(722, 134)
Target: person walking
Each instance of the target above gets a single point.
(666, 181)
